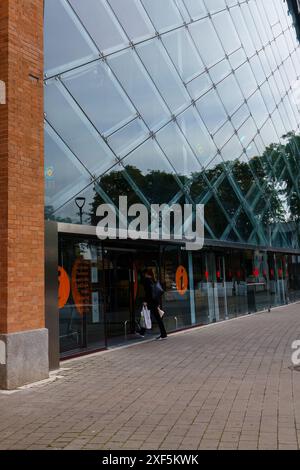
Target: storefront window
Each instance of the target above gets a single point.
(81, 313)
(175, 278)
(201, 289)
(101, 290)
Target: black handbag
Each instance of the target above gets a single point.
(157, 291)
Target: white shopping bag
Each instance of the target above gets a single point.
(146, 318)
(161, 312)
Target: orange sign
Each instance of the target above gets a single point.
(182, 280)
(81, 285)
(63, 287)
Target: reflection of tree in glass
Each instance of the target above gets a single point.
(50, 216)
(263, 190)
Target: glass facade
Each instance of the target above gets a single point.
(177, 101)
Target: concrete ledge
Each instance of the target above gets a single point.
(23, 358)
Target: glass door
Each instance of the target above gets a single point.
(236, 286)
(201, 288)
(81, 296)
(293, 275)
(176, 282)
(221, 287)
(146, 258)
(124, 292)
(216, 287)
(282, 268)
(278, 269)
(119, 288)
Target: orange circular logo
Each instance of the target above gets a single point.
(63, 287)
(182, 280)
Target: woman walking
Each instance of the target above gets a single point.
(152, 302)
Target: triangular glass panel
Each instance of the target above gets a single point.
(64, 174)
(228, 197)
(79, 210)
(116, 184)
(244, 226)
(199, 187)
(243, 176)
(232, 237)
(152, 173)
(215, 218)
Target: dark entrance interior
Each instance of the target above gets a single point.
(124, 294)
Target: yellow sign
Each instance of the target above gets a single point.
(182, 280)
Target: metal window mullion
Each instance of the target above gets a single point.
(77, 162)
(111, 134)
(215, 12)
(255, 177)
(72, 198)
(291, 174)
(62, 72)
(243, 202)
(207, 70)
(230, 220)
(233, 220)
(214, 192)
(282, 61)
(192, 101)
(89, 120)
(134, 186)
(196, 109)
(118, 81)
(227, 55)
(258, 55)
(288, 97)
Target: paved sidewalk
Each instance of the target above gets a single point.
(226, 386)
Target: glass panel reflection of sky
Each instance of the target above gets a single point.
(128, 137)
(197, 136)
(163, 75)
(177, 150)
(63, 172)
(139, 87)
(164, 15)
(101, 24)
(183, 54)
(174, 95)
(195, 9)
(200, 31)
(100, 96)
(133, 19)
(66, 44)
(75, 130)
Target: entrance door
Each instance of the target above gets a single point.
(282, 291)
(81, 306)
(124, 293)
(119, 291)
(221, 287)
(216, 287)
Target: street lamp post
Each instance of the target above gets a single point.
(80, 203)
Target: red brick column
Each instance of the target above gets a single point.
(21, 172)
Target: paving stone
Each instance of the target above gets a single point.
(227, 386)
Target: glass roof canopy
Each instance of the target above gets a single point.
(176, 101)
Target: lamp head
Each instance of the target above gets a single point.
(80, 202)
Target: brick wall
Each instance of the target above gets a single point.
(21, 167)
